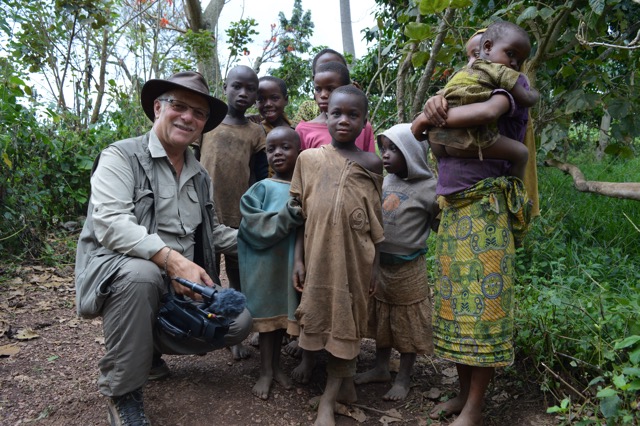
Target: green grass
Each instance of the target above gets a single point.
(579, 292)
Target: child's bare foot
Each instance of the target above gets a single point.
(375, 375)
(302, 373)
(347, 393)
(326, 415)
(292, 349)
(398, 392)
(239, 352)
(254, 340)
(448, 408)
(468, 419)
(262, 387)
(282, 379)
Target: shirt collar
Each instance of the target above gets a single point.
(191, 165)
(155, 146)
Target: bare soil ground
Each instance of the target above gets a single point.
(48, 372)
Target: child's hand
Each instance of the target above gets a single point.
(435, 110)
(373, 285)
(299, 274)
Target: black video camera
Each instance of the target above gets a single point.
(205, 322)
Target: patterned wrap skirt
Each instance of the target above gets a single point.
(475, 260)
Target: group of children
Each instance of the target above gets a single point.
(328, 250)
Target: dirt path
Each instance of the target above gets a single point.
(48, 371)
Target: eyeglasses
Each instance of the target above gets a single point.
(181, 108)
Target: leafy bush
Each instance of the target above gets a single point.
(579, 295)
(46, 163)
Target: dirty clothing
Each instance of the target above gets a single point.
(230, 153)
(468, 86)
(266, 242)
(400, 315)
(227, 152)
(342, 204)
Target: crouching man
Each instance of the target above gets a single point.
(151, 217)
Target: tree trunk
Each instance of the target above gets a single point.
(423, 84)
(208, 20)
(347, 31)
(603, 138)
(626, 190)
(95, 114)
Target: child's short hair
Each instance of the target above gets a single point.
(500, 29)
(286, 131)
(280, 82)
(322, 52)
(352, 90)
(337, 68)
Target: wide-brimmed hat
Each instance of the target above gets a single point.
(188, 80)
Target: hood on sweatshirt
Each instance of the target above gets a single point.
(414, 152)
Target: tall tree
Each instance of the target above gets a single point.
(347, 31)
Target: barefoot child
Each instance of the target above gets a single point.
(266, 240)
(233, 154)
(400, 315)
(339, 188)
(503, 49)
(315, 133)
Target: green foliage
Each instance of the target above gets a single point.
(295, 32)
(198, 44)
(45, 165)
(240, 35)
(579, 294)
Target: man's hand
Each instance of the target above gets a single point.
(179, 266)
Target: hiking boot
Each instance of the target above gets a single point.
(127, 410)
(159, 368)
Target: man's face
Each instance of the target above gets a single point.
(177, 124)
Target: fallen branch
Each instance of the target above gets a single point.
(554, 374)
(386, 413)
(626, 190)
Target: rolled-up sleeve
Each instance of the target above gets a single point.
(113, 195)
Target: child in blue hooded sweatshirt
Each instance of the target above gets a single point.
(400, 314)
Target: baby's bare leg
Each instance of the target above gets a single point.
(511, 150)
